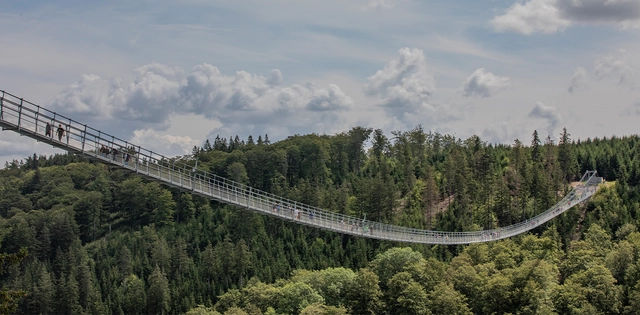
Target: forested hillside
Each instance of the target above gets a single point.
(103, 241)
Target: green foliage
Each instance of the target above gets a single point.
(319, 309)
(331, 283)
(158, 298)
(103, 241)
(387, 264)
(405, 296)
(598, 287)
(364, 296)
(294, 297)
(9, 298)
(163, 208)
(237, 173)
(134, 296)
(202, 310)
(444, 299)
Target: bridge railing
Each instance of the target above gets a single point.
(30, 119)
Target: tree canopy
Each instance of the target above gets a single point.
(104, 241)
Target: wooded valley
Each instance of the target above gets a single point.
(81, 238)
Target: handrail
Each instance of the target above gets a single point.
(31, 120)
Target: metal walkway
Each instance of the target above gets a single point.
(34, 121)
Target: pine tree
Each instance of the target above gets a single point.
(217, 143)
(179, 258)
(124, 262)
(242, 261)
(135, 298)
(536, 154)
(158, 297)
(207, 146)
(566, 156)
(9, 298)
(380, 144)
(67, 296)
(186, 209)
(163, 207)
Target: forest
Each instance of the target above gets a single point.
(80, 237)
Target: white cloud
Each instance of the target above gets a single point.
(533, 16)
(550, 16)
(159, 91)
(8, 145)
(167, 145)
(484, 84)
(619, 66)
(14, 146)
(406, 76)
(405, 88)
(147, 100)
(253, 99)
(328, 99)
(578, 80)
(497, 133)
(548, 113)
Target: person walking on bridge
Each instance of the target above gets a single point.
(48, 130)
(60, 132)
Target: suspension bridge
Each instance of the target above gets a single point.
(41, 124)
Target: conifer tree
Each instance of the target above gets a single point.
(67, 295)
(536, 154)
(242, 261)
(158, 297)
(9, 298)
(134, 295)
(207, 146)
(566, 157)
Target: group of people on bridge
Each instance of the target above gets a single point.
(114, 154)
(105, 151)
(295, 212)
(298, 214)
(49, 131)
(490, 236)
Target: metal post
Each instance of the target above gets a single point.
(98, 142)
(171, 173)
(193, 178)
(195, 169)
(2, 106)
(248, 197)
(37, 114)
(68, 127)
(84, 137)
(149, 162)
(20, 114)
(113, 140)
(331, 222)
(137, 157)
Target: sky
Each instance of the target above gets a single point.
(170, 74)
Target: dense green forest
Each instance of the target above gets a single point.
(103, 241)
